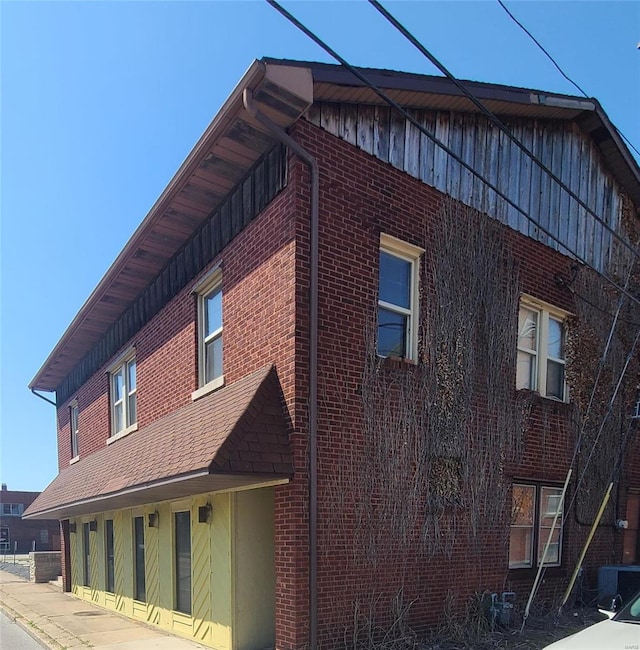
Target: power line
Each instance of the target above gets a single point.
(495, 120)
(535, 40)
(367, 82)
(560, 70)
(503, 128)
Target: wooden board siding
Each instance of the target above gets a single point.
(152, 573)
(215, 595)
(560, 145)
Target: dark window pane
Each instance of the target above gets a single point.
(108, 528)
(132, 415)
(392, 334)
(86, 552)
(555, 379)
(139, 558)
(395, 280)
(183, 562)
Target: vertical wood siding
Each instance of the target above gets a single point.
(121, 537)
(201, 572)
(152, 573)
(560, 145)
(97, 575)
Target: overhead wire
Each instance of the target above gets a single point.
(556, 64)
(391, 102)
(495, 120)
(535, 40)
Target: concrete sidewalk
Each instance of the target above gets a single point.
(59, 621)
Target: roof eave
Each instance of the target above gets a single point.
(254, 73)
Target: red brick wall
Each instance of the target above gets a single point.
(361, 197)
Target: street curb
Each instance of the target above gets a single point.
(34, 632)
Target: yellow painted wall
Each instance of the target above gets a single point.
(231, 564)
(254, 569)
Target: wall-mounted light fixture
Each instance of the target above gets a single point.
(153, 519)
(204, 513)
(72, 526)
(93, 525)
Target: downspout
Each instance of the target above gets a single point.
(299, 151)
(46, 399)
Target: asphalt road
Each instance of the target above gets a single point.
(13, 637)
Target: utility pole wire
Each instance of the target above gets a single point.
(535, 40)
(367, 82)
(495, 120)
(571, 81)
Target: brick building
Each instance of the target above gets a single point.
(332, 373)
(18, 535)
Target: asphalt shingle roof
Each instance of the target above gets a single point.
(237, 431)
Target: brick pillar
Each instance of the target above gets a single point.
(65, 556)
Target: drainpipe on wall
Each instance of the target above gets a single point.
(46, 399)
(299, 151)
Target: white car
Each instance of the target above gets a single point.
(620, 632)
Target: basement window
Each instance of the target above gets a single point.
(533, 509)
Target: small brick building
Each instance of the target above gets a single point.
(334, 376)
(19, 535)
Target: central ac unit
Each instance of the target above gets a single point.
(623, 580)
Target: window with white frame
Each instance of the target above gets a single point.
(124, 414)
(210, 330)
(73, 421)
(398, 299)
(541, 349)
(533, 509)
(13, 509)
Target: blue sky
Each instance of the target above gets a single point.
(101, 101)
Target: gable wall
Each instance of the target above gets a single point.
(362, 196)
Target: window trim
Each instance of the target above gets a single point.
(74, 434)
(210, 283)
(122, 362)
(545, 312)
(537, 528)
(412, 254)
